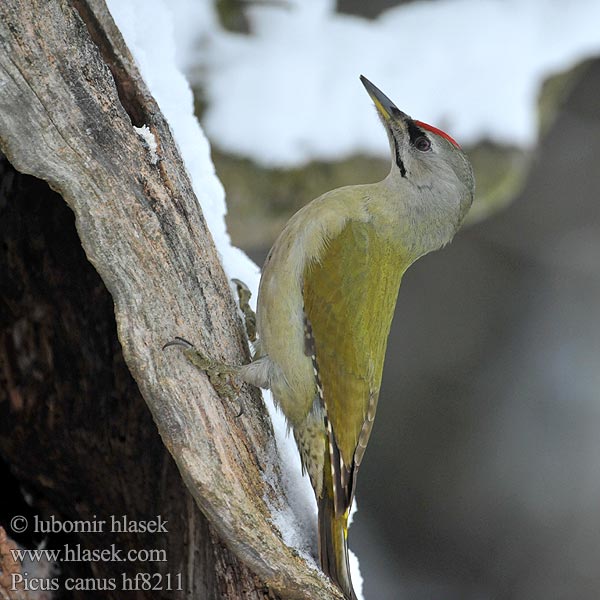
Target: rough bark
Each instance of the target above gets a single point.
(8, 568)
(69, 95)
(73, 424)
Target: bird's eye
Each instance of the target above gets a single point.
(422, 144)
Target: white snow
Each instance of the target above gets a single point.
(147, 28)
(148, 137)
(290, 93)
(357, 580)
(298, 516)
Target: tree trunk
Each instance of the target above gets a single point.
(74, 426)
(84, 318)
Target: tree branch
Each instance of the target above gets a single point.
(69, 95)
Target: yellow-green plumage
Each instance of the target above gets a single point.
(326, 301)
(349, 300)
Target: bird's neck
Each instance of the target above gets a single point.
(422, 219)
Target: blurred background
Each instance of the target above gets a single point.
(482, 478)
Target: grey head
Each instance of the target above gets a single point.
(425, 158)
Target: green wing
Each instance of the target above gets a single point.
(349, 300)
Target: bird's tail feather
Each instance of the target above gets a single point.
(333, 546)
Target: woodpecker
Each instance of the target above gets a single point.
(326, 301)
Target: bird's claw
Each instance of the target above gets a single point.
(220, 375)
(244, 295)
(178, 341)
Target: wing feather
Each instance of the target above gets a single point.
(349, 300)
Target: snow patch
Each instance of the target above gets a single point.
(289, 92)
(148, 137)
(357, 580)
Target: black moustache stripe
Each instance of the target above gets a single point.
(398, 158)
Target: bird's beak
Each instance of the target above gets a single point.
(386, 108)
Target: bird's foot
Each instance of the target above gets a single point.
(221, 376)
(244, 295)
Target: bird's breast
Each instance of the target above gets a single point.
(280, 306)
